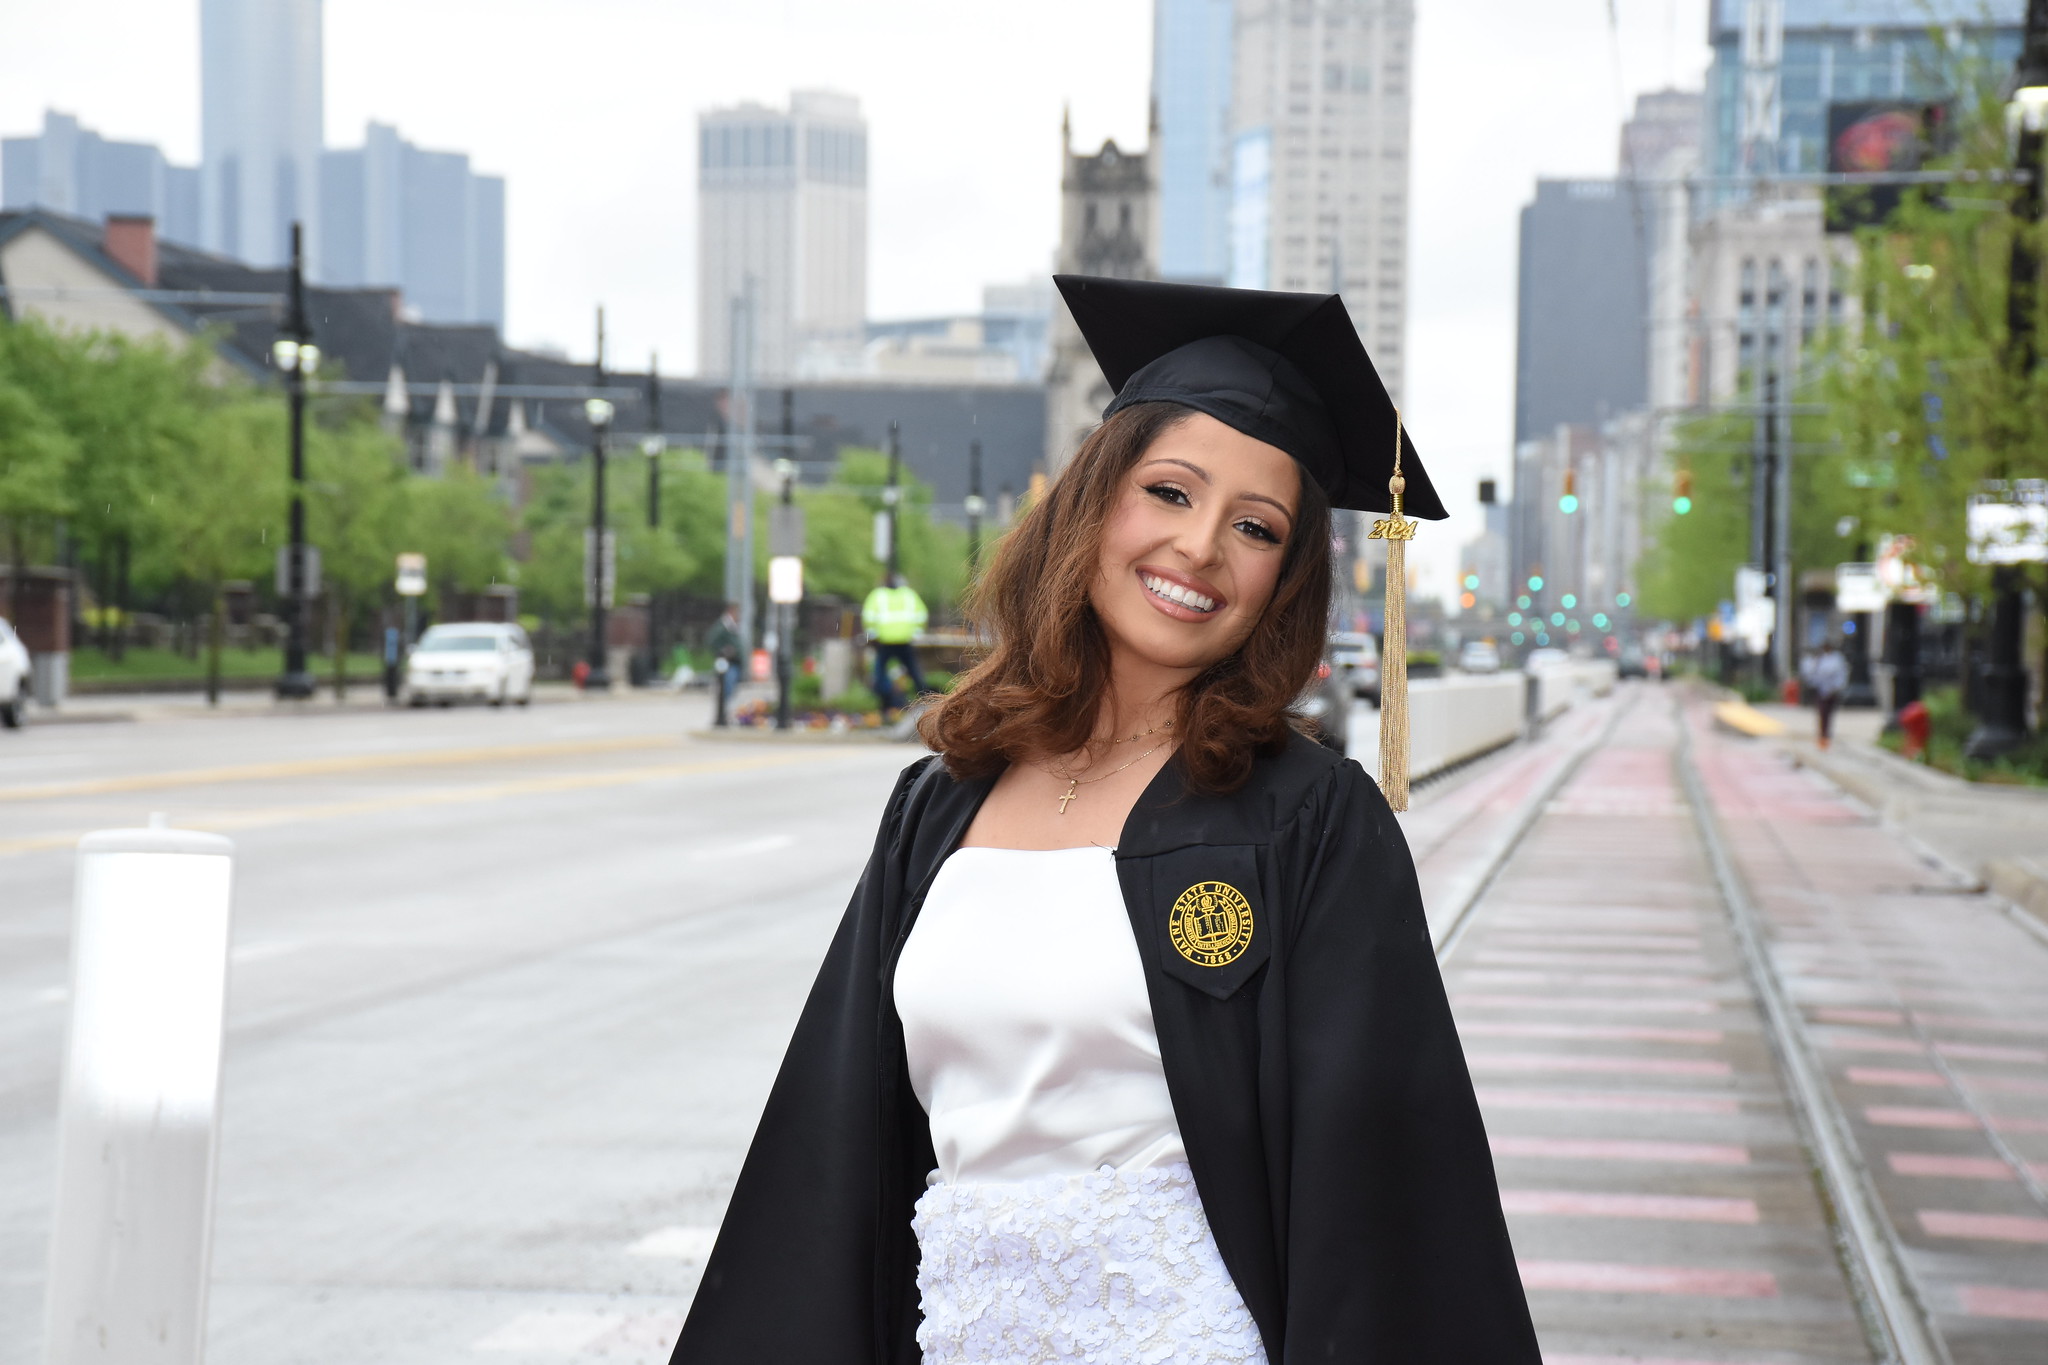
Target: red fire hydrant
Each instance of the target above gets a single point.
(1915, 722)
(580, 674)
(1789, 692)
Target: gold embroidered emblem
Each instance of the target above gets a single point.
(1211, 924)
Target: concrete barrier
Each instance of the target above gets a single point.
(1457, 718)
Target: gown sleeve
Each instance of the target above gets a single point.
(1395, 1238)
(792, 1279)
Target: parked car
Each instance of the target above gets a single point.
(14, 678)
(1479, 656)
(470, 661)
(1355, 654)
(1632, 662)
(1540, 659)
(1328, 703)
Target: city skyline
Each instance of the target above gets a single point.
(606, 204)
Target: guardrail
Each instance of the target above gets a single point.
(1457, 718)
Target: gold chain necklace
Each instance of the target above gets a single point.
(1075, 783)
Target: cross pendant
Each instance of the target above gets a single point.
(1071, 784)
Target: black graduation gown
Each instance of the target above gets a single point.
(1316, 1077)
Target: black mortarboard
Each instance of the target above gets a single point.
(1286, 369)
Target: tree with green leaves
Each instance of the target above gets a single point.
(37, 457)
(358, 510)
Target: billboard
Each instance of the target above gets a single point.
(1872, 137)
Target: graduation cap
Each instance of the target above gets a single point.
(1289, 370)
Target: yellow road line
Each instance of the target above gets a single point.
(442, 796)
(342, 763)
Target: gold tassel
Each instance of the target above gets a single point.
(1396, 531)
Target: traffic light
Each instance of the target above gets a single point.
(1535, 582)
(1472, 582)
(1681, 492)
(1569, 502)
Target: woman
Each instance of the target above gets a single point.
(1131, 1046)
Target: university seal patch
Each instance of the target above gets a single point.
(1211, 924)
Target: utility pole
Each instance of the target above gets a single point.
(2002, 690)
(739, 470)
(297, 356)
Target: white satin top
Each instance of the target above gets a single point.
(1026, 1022)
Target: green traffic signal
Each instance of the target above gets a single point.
(1681, 505)
(1568, 504)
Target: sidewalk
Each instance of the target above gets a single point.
(97, 708)
(1996, 835)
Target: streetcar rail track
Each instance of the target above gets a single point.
(1894, 1315)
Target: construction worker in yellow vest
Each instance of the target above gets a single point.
(892, 616)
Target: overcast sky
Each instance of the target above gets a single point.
(588, 108)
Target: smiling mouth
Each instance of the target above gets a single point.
(1176, 594)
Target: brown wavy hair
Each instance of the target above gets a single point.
(1037, 690)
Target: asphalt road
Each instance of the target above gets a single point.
(507, 989)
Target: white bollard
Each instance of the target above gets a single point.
(130, 1251)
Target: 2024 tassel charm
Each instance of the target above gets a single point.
(1396, 531)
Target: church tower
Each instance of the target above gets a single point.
(1109, 225)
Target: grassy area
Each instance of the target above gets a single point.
(163, 665)
(2026, 766)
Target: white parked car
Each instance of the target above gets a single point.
(1540, 659)
(1478, 656)
(14, 677)
(470, 661)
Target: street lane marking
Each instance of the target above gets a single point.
(1498, 1097)
(1602, 1277)
(560, 1331)
(1537, 957)
(1502, 976)
(1990, 1301)
(1915, 1116)
(745, 848)
(1957, 1167)
(1679, 1208)
(1572, 1061)
(1633, 1033)
(339, 763)
(1620, 1149)
(1658, 1004)
(1993, 1227)
(1666, 942)
(677, 1244)
(448, 796)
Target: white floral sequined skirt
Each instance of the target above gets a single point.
(1110, 1268)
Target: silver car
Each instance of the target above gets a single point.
(14, 678)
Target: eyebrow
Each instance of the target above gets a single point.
(1203, 475)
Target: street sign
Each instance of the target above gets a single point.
(881, 537)
(785, 529)
(1858, 588)
(2008, 523)
(412, 575)
(785, 580)
(611, 564)
(309, 579)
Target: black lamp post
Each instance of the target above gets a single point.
(653, 447)
(598, 412)
(892, 496)
(976, 507)
(2002, 689)
(297, 357)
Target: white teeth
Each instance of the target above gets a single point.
(1174, 592)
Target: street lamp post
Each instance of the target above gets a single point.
(784, 596)
(298, 357)
(2002, 708)
(653, 447)
(892, 496)
(976, 507)
(599, 413)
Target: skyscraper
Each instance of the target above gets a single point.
(260, 127)
(1839, 50)
(1191, 52)
(1319, 159)
(782, 209)
(72, 169)
(1580, 304)
(392, 213)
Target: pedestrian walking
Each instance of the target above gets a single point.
(892, 616)
(727, 648)
(1131, 1045)
(1827, 680)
